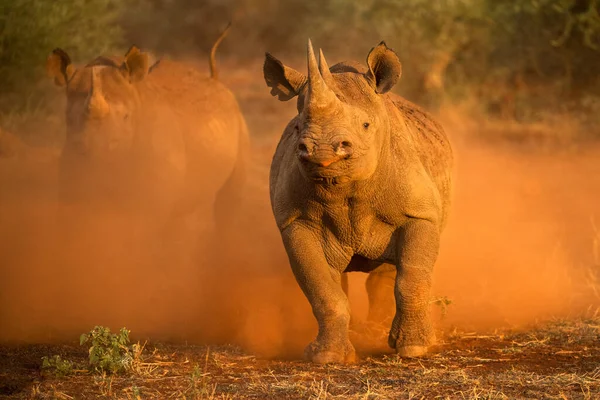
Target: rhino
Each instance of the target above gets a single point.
(360, 181)
(187, 128)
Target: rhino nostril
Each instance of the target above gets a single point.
(302, 147)
(344, 149)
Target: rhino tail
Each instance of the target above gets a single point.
(213, 64)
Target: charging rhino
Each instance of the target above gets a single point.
(360, 181)
(184, 130)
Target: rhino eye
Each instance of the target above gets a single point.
(366, 125)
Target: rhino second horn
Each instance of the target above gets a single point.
(96, 103)
(325, 72)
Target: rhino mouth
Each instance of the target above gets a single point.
(333, 174)
(329, 181)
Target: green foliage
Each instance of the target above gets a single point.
(57, 365)
(582, 16)
(136, 392)
(31, 29)
(177, 26)
(109, 352)
(492, 51)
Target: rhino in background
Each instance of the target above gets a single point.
(184, 130)
(360, 181)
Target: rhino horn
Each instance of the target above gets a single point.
(319, 94)
(325, 72)
(96, 104)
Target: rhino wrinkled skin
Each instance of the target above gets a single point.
(360, 181)
(184, 129)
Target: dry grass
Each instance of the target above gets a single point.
(557, 360)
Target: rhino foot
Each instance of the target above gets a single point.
(411, 351)
(413, 342)
(322, 354)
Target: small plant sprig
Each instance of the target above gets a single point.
(109, 352)
(199, 386)
(442, 302)
(57, 366)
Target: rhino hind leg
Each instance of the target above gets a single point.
(380, 291)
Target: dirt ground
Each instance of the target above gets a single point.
(557, 360)
(519, 261)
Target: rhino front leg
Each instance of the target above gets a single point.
(321, 284)
(412, 331)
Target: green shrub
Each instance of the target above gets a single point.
(31, 29)
(57, 365)
(109, 352)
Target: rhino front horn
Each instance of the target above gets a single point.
(319, 94)
(96, 103)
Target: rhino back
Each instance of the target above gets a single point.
(188, 91)
(182, 107)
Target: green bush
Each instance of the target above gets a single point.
(31, 29)
(57, 365)
(451, 49)
(109, 352)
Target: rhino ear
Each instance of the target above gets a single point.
(136, 64)
(285, 82)
(59, 67)
(385, 68)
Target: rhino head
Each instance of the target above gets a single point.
(101, 98)
(342, 122)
